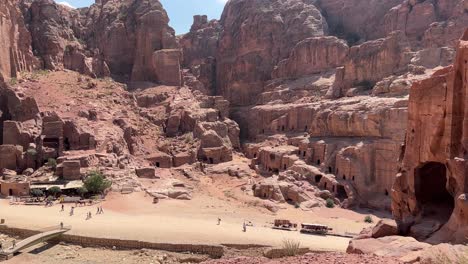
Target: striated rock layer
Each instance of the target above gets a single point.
(429, 194)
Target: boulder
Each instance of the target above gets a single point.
(148, 172)
(385, 228)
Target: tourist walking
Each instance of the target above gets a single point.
(72, 210)
(219, 221)
(14, 243)
(61, 225)
(98, 210)
(63, 208)
(244, 227)
(102, 210)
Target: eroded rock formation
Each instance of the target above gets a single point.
(429, 195)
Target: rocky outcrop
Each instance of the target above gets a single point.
(434, 23)
(371, 61)
(127, 34)
(312, 55)
(430, 189)
(348, 20)
(256, 36)
(50, 27)
(15, 49)
(200, 47)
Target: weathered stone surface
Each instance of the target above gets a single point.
(147, 172)
(385, 228)
(127, 34)
(166, 64)
(430, 185)
(15, 49)
(355, 19)
(50, 25)
(312, 55)
(71, 170)
(256, 36)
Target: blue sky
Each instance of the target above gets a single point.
(180, 12)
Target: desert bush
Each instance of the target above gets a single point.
(52, 163)
(291, 247)
(31, 152)
(330, 203)
(96, 183)
(368, 219)
(13, 81)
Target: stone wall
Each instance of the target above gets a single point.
(211, 250)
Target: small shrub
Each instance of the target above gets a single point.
(330, 203)
(297, 205)
(291, 247)
(36, 193)
(95, 183)
(32, 152)
(368, 219)
(188, 137)
(52, 163)
(13, 81)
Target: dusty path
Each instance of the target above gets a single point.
(135, 217)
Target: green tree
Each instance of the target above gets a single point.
(54, 191)
(37, 192)
(95, 183)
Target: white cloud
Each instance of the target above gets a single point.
(66, 4)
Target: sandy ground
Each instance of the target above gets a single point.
(135, 217)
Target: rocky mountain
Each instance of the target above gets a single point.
(351, 100)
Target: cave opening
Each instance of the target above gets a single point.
(341, 192)
(318, 162)
(66, 144)
(431, 191)
(318, 178)
(158, 164)
(330, 170)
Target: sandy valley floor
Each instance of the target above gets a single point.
(135, 217)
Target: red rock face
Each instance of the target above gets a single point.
(127, 34)
(347, 19)
(256, 36)
(15, 49)
(430, 190)
(312, 55)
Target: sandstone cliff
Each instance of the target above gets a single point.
(15, 49)
(429, 195)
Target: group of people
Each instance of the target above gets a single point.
(89, 215)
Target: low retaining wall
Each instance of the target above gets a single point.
(211, 250)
